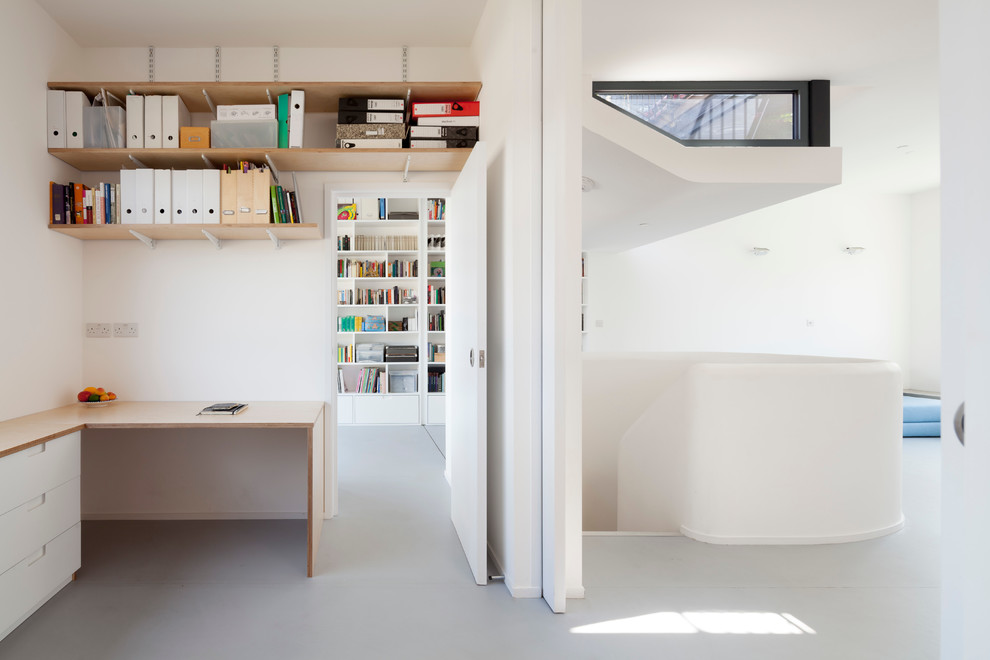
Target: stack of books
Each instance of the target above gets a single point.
(446, 125)
(370, 123)
(79, 204)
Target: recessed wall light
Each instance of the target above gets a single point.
(587, 183)
(854, 250)
(760, 251)
(644, 224)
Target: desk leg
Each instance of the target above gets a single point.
(314, 505)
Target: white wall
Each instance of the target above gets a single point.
(705, 290)
(925, 290)
(244, 322)
(505, 51)
(41, 299)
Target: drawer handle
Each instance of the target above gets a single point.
(37, 449)
(38, 556)
(37, 502)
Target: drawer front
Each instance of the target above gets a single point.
(31, 580)
(29, 526)
(345, 409)
(386, 409)
(436, 409)
(36, 470)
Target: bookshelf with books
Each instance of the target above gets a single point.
(389, 308)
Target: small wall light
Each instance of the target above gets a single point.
(760, 251)
(854, 250)
(588, 184)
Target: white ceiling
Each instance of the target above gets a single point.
(881, 56)
(288, 23)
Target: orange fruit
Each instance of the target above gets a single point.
(100, 391)
(104, 397)
(113, 397)
(91, 390)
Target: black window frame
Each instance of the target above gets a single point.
(811, 111)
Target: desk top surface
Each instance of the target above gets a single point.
(23, 432)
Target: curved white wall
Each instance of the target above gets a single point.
(738, 448)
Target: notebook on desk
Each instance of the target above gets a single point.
(223, 409)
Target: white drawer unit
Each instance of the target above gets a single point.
(34, 523)
(30, 472)
(386, 409)
(27, 585)
(39, 526)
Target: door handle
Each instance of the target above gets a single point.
(471, 357)
(960, 423)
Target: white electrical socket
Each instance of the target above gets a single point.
(125, 329)
(98, 330)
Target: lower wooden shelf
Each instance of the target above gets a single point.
(256, 232)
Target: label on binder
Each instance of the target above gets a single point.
(449, 109)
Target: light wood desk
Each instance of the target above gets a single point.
(24, 432)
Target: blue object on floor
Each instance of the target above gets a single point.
(922, 417)
(922, 429)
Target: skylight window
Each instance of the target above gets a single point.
(726, 113)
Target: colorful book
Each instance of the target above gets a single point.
(283, 121)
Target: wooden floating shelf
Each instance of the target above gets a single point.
(258, 232)
(287, 160)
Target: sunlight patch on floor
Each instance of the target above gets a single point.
(716, 623)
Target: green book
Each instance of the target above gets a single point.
(275, 214)
(283, 121)
(280, 195)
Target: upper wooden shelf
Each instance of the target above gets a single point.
(320, 96)
(289, 160)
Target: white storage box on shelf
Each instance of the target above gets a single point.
(104, 127)
(370, 352)
(244, 134)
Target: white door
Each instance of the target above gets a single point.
(965, 331)
(467, 418)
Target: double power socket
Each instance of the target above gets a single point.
(107, 330)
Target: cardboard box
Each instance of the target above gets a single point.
(194, 137)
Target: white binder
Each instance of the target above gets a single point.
(56, 119)
(174, 115)
(163, 197)
(128, 197)
(211, 197)
(135, 121)
(152, 122)
(74, 104)
(194, 197)
(145, 200)
(297, 108)
(179, 196)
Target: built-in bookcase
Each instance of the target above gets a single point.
(390, 307)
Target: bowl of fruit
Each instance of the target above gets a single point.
(96, 397)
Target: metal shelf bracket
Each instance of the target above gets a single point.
(405, 173)
(276, 241)
(150, 242)
(217, 243)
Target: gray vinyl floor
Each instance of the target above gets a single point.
(394, 584)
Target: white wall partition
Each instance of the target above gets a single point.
(42, 271)
(738, 448)
(706, 291)
(506, 52)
